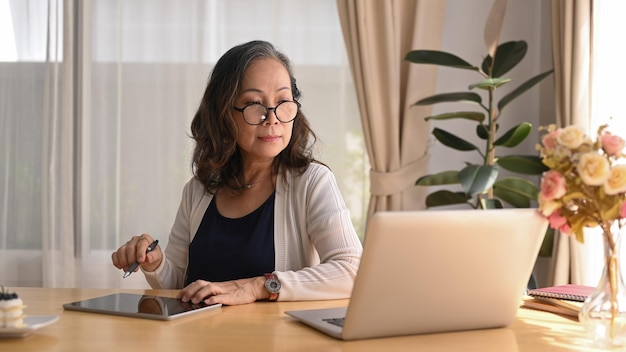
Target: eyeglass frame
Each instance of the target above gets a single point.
(268, 109)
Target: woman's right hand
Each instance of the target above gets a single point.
(135, 250)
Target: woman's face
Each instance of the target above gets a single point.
(265, 81)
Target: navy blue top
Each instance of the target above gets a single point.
(228, 249)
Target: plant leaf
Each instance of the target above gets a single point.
(452, 141)
(512, 198)
(493, 26)
(469, 115)
(490, 83)
(444, 197)
(516, 191)
(521, 89)
(523, 164)
(514, 136)
(436, 57)
(441, 178)
(482, 131)
(477, 179)
(548, 243)
(508, 55)
(451, 97)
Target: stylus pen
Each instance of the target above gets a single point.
(132, 268)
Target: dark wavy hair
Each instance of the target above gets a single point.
(217, 158)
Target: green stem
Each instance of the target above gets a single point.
(490, 156)
(613, 268)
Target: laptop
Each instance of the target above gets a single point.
(139, 306)
(436, 271)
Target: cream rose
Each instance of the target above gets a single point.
(571, 137)
(547, 207)
(561, 152)
(616, 182)
(593, 169)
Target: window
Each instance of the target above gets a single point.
(608, 72)
(608, 66)
(144, 68)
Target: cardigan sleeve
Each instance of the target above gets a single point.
(321, 248)
(170, 273)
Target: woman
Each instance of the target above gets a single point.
(260, 219)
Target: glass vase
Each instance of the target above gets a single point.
(603, 315)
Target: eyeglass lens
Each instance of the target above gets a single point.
(255, 114)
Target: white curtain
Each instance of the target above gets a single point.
(590, 74)
(37, 148)
(606, 105)
(95, 118)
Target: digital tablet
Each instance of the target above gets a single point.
(139, 306)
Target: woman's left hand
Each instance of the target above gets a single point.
(228, 292)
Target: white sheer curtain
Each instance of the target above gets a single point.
(111, 157)
(607, 104)
(36, 147)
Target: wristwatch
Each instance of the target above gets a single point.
(272, 285)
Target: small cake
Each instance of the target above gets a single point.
(11, 310)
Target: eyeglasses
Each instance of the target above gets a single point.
(256, 113)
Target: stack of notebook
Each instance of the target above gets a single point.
(564, 299)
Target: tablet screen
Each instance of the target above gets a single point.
(140, 306)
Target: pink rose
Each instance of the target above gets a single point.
(559, 222)
(566, 229)
(622, 210)
(612, 145)
(553, 185)
(549, 140)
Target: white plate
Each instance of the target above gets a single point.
(33, 322)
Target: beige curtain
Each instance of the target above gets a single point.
(378, 35)
(571, 41)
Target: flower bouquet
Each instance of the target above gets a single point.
(585, 187)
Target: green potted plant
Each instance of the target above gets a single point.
(482, 185)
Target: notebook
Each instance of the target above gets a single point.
(554, 305)
(437, 271)
(139, 306)
(570, 292)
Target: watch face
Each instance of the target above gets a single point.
(272, 285)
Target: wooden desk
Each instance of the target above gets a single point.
(262, 326)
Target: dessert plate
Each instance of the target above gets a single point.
(31, 323)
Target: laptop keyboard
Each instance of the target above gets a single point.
(335, 321)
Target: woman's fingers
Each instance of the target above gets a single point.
(142, 243)
(196, 291)
(135, 251)
(228, 292)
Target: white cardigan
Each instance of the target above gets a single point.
(317, 249)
